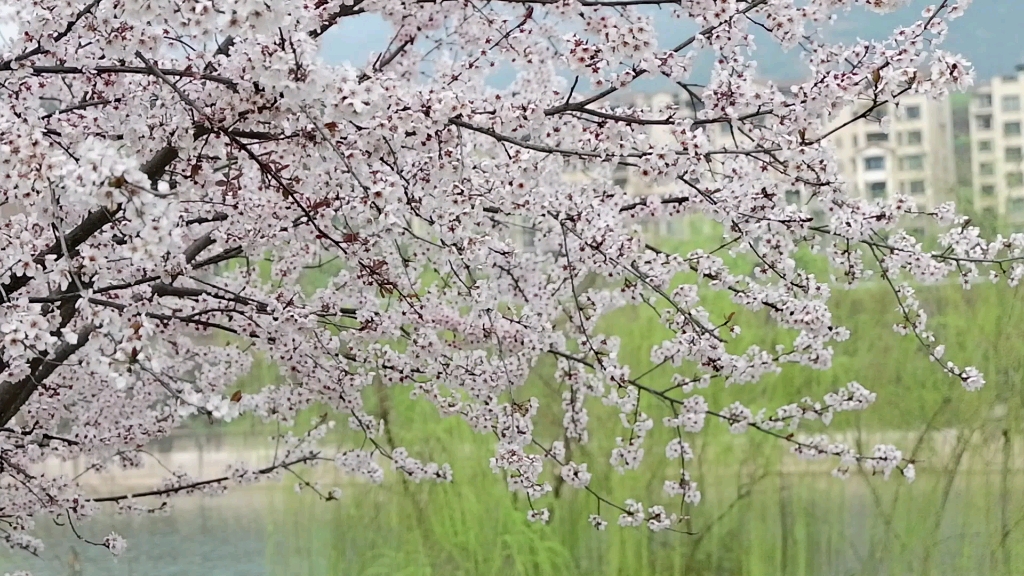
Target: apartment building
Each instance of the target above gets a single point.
(634, 185)
(996, 148)
(913, 157)
(627, 178)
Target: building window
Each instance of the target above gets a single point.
(838, 142)
(881, 112)
(983, 100)
(855, 143)
(874, 163)
(986, 169)
(877, 189)
(1011, 129)
(877, 137)
(1016, 205)
(620, 177)
(917, 186)
(529, 239)
(984, 145)
(1011, 103)
(1013, 154)
(913, 112)
(1015, 179)
(914, 137)
(792, 196)
(915, 162)
(988, 190)
(984, 122)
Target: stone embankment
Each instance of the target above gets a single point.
(201, 457)
(205, 457)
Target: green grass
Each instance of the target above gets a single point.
(753, 519)
(748, 524)
(983, 327)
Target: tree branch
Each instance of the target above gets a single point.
(207, 482)
(142, 70)
(90, 225)
(8, 64)
(13, 395)
(335, 17)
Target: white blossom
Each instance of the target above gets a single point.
(115, 543)
(542, 515)
(137, 211)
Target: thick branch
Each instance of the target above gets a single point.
(335, 17)
(13, 395)
(45, 70)
(90, 225)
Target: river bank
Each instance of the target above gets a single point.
(210, 456)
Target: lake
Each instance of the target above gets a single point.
(799, 524)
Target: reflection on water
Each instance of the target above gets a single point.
(800, 525)
(223, 536)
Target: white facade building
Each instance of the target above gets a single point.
(996, 147)
(913, 157)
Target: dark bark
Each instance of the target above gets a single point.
(14, 394)
(90, 225)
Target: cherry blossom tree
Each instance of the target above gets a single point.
(153, 153)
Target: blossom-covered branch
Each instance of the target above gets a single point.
(170, 175)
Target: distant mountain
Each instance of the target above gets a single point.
(989, 35)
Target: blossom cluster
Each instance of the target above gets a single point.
(168, 176)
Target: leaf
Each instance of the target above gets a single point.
(876, 76)
(237, 396)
